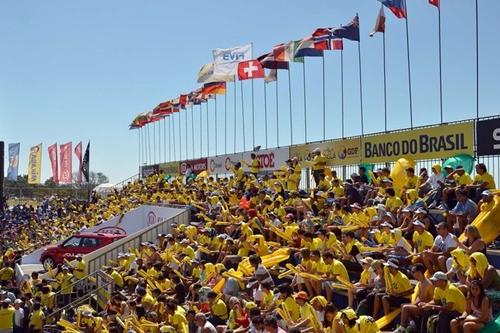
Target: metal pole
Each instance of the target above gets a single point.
(186, 127)
(165, 138)
(180, 136)
(225, 123)
(149, 145)
(342, 89)
(277, 114)
(234, 129)
(477, 59)
(139, 135)
(253, 118)
(201, 135)
(215, 125)
(159, 142)
(290, 101)
(208, 131)
(360, 88)
(154, 142)
(385, 83)
(440, 68)
(242, 115)
(324, 99)
(169, 139)
(409, 67)
(305, 98)
(265, 110)
(173, 136)
(192, 128)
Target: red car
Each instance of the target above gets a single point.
(81, 243)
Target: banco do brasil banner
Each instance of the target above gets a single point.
(426, 143)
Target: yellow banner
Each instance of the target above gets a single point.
(171, 168)
(35, 165)
(427, 143)
(340, 152)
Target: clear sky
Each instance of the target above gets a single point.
(81, 70)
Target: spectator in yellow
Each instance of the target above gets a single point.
(254, 164)
(7, 316)
(37, 318)
(319, 164)
(65, 280)
(218, 309)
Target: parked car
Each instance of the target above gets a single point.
(81, 243)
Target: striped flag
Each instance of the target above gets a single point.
(380, 24)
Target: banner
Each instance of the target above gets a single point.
(35, 165)
(488, 137)
(427, 143)
(226, 60)
(78, 153)
(65, 155)
(53, 162)
(222, 164)
(270, 159)
(148, 170)
(13, 161)
(170, 168)
(86, 163)
(197, 165)
(340, 152)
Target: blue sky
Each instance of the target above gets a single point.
(81, 70)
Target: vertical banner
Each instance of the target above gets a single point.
(13, 161)
(35, 165)
(86, 164)
(53, 162)
(78, 153)
(66, 167)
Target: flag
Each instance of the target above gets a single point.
(434, 3)
(78, 153)
(251, 69)
(154, 117)
(226, 60)
(183, 101)
(268, 61)
(35, 165)
(12, 171)
(271, 76)
(214, 88)
(86, 163)
(65, 154)
(53, 162)
(349, 31)
(305, 48)
(398, 7)
(206, 74)
(380, 24)
(197, 97)
(325, 40)
(163, 109)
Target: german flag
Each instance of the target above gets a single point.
(214, 88)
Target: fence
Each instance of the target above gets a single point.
(101, 257)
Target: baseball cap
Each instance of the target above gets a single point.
(487, 193)
(439, 276)
(391, 263)
(419, 223)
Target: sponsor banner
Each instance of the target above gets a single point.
(339, 152)
(171, 168)
(222, 164)
(53, 162)
(270, 159)
(427, 143)
(197, 165)
(65, 155)
(35, 165)
(148, 170)
(13, 161)
(226, 60)
(488, 137)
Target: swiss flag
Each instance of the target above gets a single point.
(250, 69)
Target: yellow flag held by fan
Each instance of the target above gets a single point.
(35, 165)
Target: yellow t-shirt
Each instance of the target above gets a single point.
(319, 162)
(219, 309)
(6, 273)
(48, 300)
(393, 203)
(254, 166)
(117, 278)
(268, 300)
(36, 319)
(338, 268)
(382, 238)
(451, 294)
(338, 191)
(64, 280)
(421, 241)
(7, 318)
(486, 178)
(238, 174)
(399, 283)
(464, 179)
(80, 265)
(412, 182)
(324, 185)
(292, 182)
(179, 322)
(292, 307)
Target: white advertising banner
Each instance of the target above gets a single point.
(270, 160)
(226, 60)
(219, 165)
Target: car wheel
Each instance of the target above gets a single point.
(48, 263)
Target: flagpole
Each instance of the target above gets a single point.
(225, 123)
(277, 114)
(290, 98)
(201, 128)
(139, 135)
(173, 137)
(409, 67)
(154, 142)
(242, 115)
(305, 97)
(192, 128)
(361, 89)
(324, 98)
(165, 138)
(149, 144)
(385, 82)
(253, 118)
(208, 130)
(440, 67)
(235, 112)
(215, 125)
(265, 110)
(477, 59)
(342, 89)
(186, 127)
(180, 136)
(159, 141)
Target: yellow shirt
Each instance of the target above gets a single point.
(80, 265)
(451, 294)
(398, 283)
(422, 241)
(412, 182)
(486, 178)
(219, 309)
(324, 185)
(6, 273)
(7, 318)
(179, 322)
(238, 174)
(464, 179)
(254, 166)
(64, 280)
(393, 203)
(117, 278)
(364, 324)
(338, 268)
(382, 238)
(319, 162)
(338, 191)
(292, 307)
(268, 300)
(292, 182)
(36, 319)
(48, 300)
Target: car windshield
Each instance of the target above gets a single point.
(73, 242)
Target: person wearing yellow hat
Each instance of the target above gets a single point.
(354, 324)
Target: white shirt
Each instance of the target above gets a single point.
(209, 326)
(18, 317)
(444, 244)
(433, 180)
